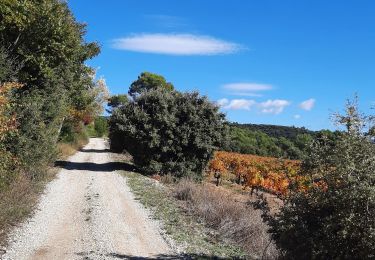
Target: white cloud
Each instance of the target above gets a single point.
(273, 106)
(236, 104)
(222, 102)
(270, 106)
(307, 104)
(246, 89)
(240, 104)
(175, 44)
(297, 116)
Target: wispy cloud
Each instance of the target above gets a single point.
(246, 88)
(268, 107)
(307, 104)
(274, 106)
(175, 44)
(297, 116)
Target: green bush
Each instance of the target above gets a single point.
(168, 132)
(335, 218)
(34, 143)
(101, 126)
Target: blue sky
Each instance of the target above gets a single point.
(269, 62)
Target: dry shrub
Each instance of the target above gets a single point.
(16, 202)
(235, 221)
(167, 179)
(184, 190)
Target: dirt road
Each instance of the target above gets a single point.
(88, 212)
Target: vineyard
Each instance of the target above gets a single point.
(255, 172)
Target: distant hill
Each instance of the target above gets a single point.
(274, 140)
(270, 140)
(277, 131)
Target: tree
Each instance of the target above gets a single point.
(333, 217)
(48, 45)
(168, 132)
(116, 101)
(353, 120)
(45, 36)
(148, 81)
(303, 141)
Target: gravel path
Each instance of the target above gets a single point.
(88, 212)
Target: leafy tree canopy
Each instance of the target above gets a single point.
(148, 81)
(117, 100)
(46, 39)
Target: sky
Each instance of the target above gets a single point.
(264, 62)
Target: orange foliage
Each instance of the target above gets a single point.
(7, 122)
(271, 174)
(84, 116)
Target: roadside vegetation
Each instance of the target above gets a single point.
(326, 197)
(48, 97)
(190, 236)
(231, 216)
(332, 220)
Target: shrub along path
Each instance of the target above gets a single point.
(88, 212)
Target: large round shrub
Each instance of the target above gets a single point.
(168, 132)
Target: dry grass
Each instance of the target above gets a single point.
(16, 202)
(68, 149)
(244, 193)
(235, 221)
(167, 179)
